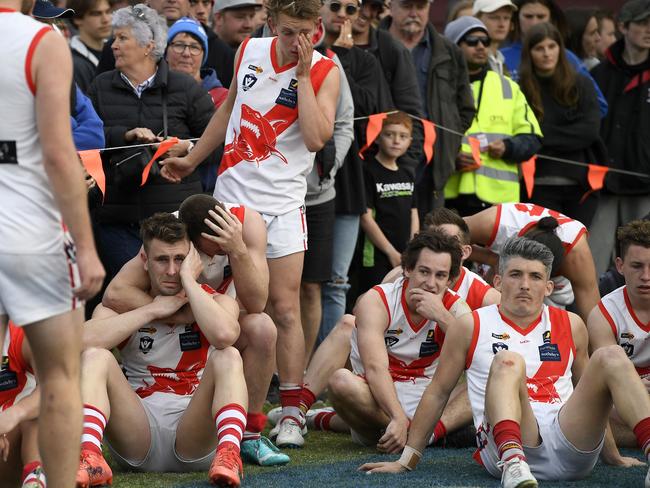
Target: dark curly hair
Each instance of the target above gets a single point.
(436, 241)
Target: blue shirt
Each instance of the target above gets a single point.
(421, 54)
(512, 55)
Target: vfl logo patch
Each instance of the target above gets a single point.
(248, 82)
(146, 343)
(8, 152)
(499, 346)
(628, 348)
(390, 341)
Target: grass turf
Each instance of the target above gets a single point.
(332, 460)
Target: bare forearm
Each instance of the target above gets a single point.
(425, 419)
(218, 325)
(110, 332)
(213, 136)
(125, 298)
(315, 127)
(383, 391)
(251, 283)
(586, 299)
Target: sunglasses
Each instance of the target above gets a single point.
(349, 8)
(472, 41)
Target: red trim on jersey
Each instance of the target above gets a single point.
(415, 327)
(642, 371)
(274, 59)
(474, 342)
(628, 304)
(241, 56)
(460, 279)
(319, 72)
(495, 228)
(223, 287)
(523, 331)
(609, 318)
(550, 371)
(239, 212)
(476, 294)
(208, 289)
(304, 230)
(449, 298)
(382, 295)
(5, 10)
(569, 247)
(30, 54)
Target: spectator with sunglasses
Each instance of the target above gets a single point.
(504, 125)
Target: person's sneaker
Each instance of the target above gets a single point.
(35, 479)
(516, 474)
(93, 470)
(226, 468)
(262, 451)
(273, 433)
(290, 434)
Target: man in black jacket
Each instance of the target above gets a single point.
(624, 78)
(445, 89)
(399, 71)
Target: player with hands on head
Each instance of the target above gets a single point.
(231, 241)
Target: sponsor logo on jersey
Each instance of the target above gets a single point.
(5, 363)
(546, 337)
(146, 343)
(549, 352)
(391, 341)
(287, 97)
(227, 271)
(394, 331)
(503, 337)
(293, 85)
(257, 69)
(147, 330)
(499, 346)
(628, 348)
(248, 81)
(627, 335)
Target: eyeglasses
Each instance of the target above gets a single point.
(472, 41)
(179, 48)
(350, 9)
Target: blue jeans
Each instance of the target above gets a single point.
(117, 244)
(346, 230)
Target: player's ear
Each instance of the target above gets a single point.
(143, 257)
(550, 285)
(619, 264)
(467, 251)
(496, 282)
(270, 21)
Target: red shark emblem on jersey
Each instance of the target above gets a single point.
(169, 380)
(257, 137)
(543, 389)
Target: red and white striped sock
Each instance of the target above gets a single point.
(290, 396)
(230, 421)
(322, 420)
(93, 433)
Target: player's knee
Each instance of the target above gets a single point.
(286, 314)
(339, 383)
(226, 359)
(507, 362)
(611, 357)
(310, 291)
(95, 360)
(260, 332)
(347, 324)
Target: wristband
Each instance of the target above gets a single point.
(409, 458)
(190, 147)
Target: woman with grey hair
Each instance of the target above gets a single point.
(142, 101)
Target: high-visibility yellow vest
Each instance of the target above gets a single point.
(501, 112)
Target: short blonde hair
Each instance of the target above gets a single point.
(298, 9)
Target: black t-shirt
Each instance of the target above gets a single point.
(391, 195)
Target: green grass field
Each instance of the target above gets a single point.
(331, 460)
